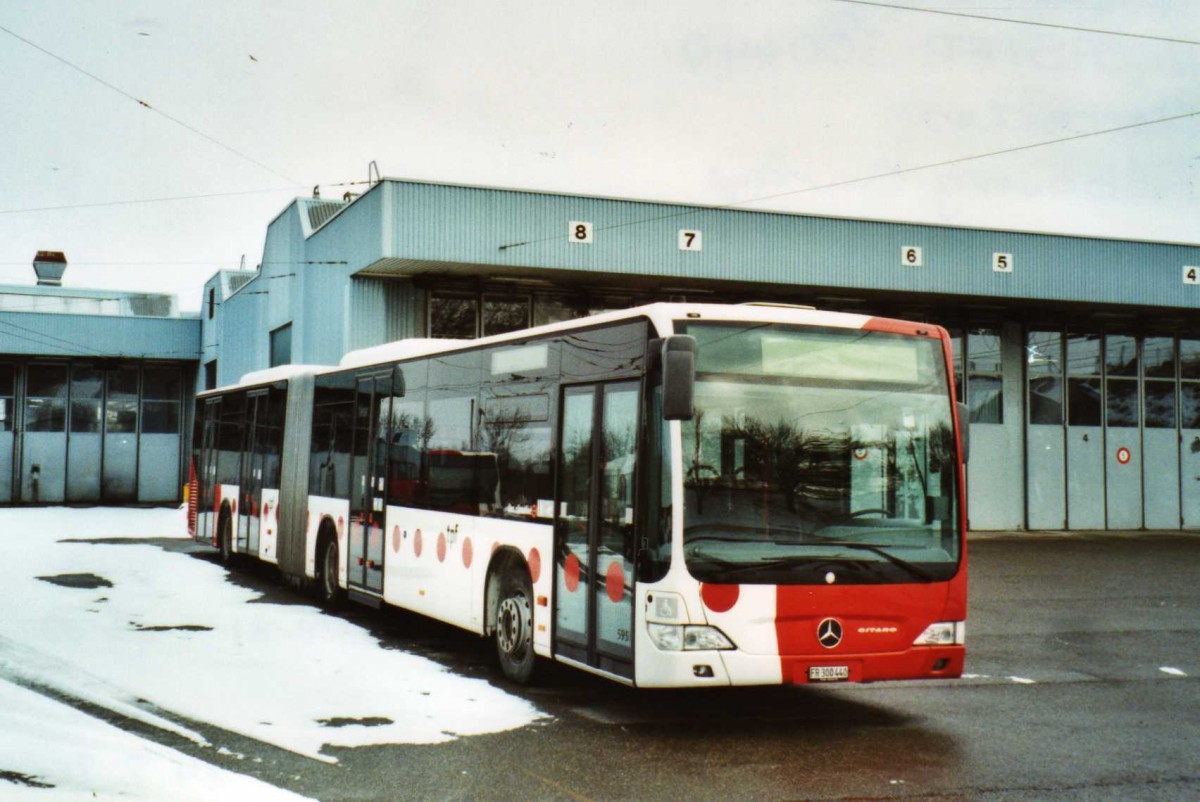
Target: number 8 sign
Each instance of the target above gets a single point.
(579, 232)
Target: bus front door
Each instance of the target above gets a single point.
(594, 537)
(368, 477)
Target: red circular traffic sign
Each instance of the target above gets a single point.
(1124, 455)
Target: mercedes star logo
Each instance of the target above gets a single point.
(829, 632)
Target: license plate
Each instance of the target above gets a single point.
(828, 673)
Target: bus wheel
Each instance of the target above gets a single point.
(226, 539)
(514, 626)
(327, 580)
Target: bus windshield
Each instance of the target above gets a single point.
(819, 455)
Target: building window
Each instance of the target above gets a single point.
(210, 374)
(161, 400)
(7, 382)
(1189, 386)
(1158, 366)
(87, 396)
(555, 309)
(1044, 368)
(281, 345)
(121, 403)
(212, 302)
(985, 377)
(956, 353)
(1084, 366)
(502, 314)
(453, 316)
(46, 398)
(1121, 366)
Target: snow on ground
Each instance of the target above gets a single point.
(134, 621)
(50, 752)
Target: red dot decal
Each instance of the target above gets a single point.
(441, 547)
(233, 507)
(571, 573)
(396, 538)
(417, 542)
(535, 565)
(719, 598)
(614, 582)
(467, 553)
(341, 523)
(266, 508)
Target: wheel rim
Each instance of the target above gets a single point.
(512, 625)
(329, 574)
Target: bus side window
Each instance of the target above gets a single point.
(451, 463)
(333, 422)
(516, 430)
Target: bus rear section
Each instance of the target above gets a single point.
(822, 524)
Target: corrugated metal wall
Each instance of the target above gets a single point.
(99, 336)
(379, 311)
(472, 225)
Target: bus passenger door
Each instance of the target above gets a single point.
(249, 514)
(368, 477)
(594, 548)
(206, 470)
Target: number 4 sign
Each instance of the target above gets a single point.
(1191, 275)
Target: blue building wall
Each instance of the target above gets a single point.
(349, 275)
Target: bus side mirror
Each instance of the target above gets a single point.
(679, 376)
(964, 431)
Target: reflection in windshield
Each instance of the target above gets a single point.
(797, 467)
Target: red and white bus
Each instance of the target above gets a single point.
(676, 495)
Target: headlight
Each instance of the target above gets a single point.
(676, 638)
(944, 633)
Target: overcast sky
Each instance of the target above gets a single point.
(254, 103)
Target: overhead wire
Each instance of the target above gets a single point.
(739, 205)
(144, 104)
(1014, 21)
(99, 204)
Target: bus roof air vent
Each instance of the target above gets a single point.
(774, 305)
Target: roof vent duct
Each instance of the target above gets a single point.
(50, 266)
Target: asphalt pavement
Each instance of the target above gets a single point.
(1082, 683)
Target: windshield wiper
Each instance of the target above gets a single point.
(912, 568)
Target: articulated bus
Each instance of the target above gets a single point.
(676, 495)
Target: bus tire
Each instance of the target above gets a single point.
(329, 591)
(514, 625)
(225, 538)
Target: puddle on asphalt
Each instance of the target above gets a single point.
(17, 778)
(171, 628)
(369, 721)
(83, 581)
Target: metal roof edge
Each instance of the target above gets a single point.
(782, 213)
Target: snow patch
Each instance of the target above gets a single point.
(174, 631)
(54, 753)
